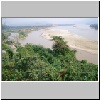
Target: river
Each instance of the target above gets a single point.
(35, 37)
(80, 29)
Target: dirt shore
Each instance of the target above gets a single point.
(86, 49)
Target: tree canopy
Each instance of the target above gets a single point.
(36, 63)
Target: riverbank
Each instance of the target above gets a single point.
(74, 41)
(85, 55)
(86, 49)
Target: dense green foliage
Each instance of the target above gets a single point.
(35, 63)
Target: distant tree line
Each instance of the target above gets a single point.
(94, 26)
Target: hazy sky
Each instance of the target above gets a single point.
(32, 21)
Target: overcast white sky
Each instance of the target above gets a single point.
(32, 21)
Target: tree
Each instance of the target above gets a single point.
(60, 46)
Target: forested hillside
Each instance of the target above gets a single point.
(36, 63)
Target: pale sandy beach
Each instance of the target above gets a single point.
(86, 49)
(90, 57)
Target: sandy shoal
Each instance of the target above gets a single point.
(86, 49)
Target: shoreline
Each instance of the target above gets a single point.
(89, 50)
(74, 41)
(85, 55)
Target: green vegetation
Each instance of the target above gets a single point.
(4, 27)
(35, 63)
(5, 35)
(22, 34)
